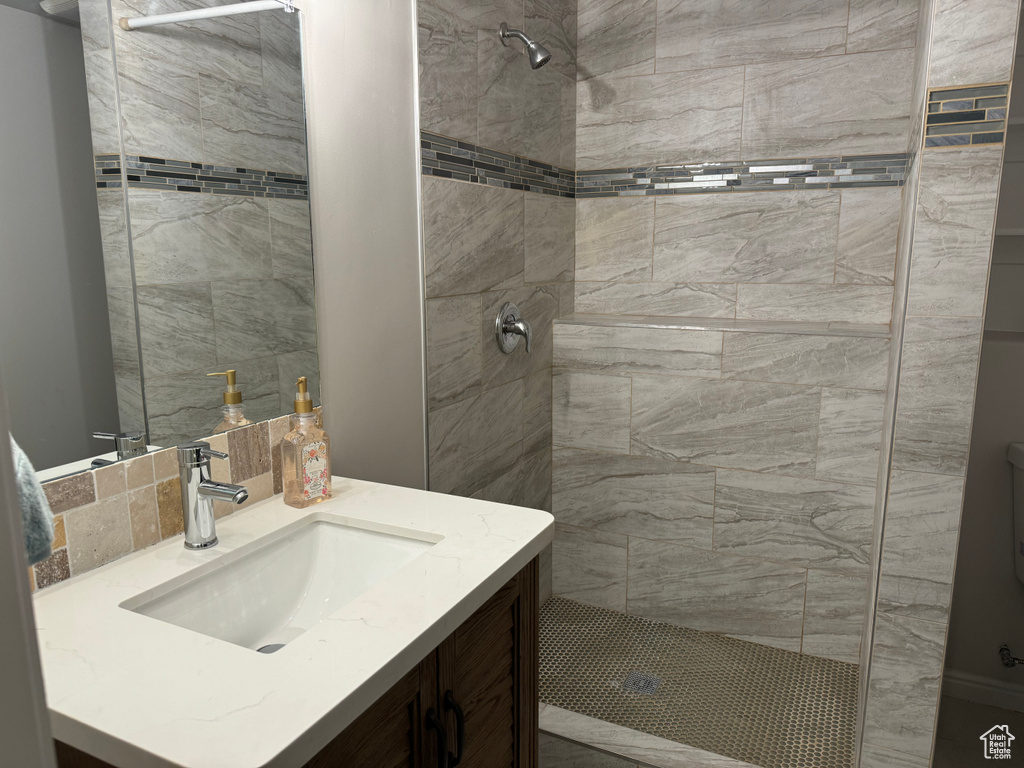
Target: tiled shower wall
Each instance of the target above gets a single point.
(942, 288)
(213, 254)
(718, 400)
(490, 414)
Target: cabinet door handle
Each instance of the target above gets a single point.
(434, 723)
(450, 704)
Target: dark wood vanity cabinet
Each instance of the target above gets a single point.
(478, 691)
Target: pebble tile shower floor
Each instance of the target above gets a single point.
(761, 705)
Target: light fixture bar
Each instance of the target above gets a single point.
(139, 22)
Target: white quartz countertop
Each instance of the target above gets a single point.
(140, 693)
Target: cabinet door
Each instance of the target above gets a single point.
(391, 733)
(490, 665)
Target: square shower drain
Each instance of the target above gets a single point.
(638, 682)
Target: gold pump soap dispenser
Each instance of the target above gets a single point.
(233, 410)
(305, 455)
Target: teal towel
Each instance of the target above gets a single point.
(36, 517)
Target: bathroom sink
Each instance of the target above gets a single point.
(269, 592)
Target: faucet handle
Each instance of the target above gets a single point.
(197, 453)
(212, 454)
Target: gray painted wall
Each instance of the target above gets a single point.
(54, 332)
(24, 722)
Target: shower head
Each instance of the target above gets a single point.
(539, 55)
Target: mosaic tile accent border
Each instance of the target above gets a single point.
(844, 172)
(460, 160)
(961, 116)
(184, 176)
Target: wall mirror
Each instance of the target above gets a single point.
(160, 232)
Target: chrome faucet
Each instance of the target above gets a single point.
(509, 327)
(198, 492)
(127, 444)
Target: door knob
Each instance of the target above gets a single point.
(509, 327)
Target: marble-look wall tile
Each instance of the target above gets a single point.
(539, 305)
(922, 524)
(549, 243)
(252, 127)
(256, 318)
(658, 499)
(834, 615)
(856, 104)
(664, 118)
(613, 238)
(228, 47)
(184, 406)
(695, 34)
(99, 77)
(903, 689)
(130, 412)
(638, 350)
(98, 533)
(184, 238)
(526, 484)
(936, 395)
(953, 231)
(726, 423)
(815, 303)
(290, 366)
(291, 240)
(850, 435)
(485, 14)
(454, 352)
(591, 411)
(475, 441)
(117, 268)
(828, 361)
(554, 22)
(176, 328)
(542, 118)
(877, 757)
(281, 51)
(589, 566)
(486, 256)
(160, 108)
(537, 411)
(124, 341)
(668, 299)
(447, 72)
(804, 523)
(556, 753)
(881, 25)
(745, 238)
(868, 228)
(970, 43)
(750, 599)
(615, 36)
(501, 91)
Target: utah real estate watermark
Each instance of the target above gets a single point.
(997, 742)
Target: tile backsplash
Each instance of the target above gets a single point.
(110, 512)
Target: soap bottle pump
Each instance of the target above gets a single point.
(234, 411)
(305, 455)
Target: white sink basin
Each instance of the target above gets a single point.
(266, 594)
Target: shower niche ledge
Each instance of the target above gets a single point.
(728, 324)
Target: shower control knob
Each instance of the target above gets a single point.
(509, 327)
